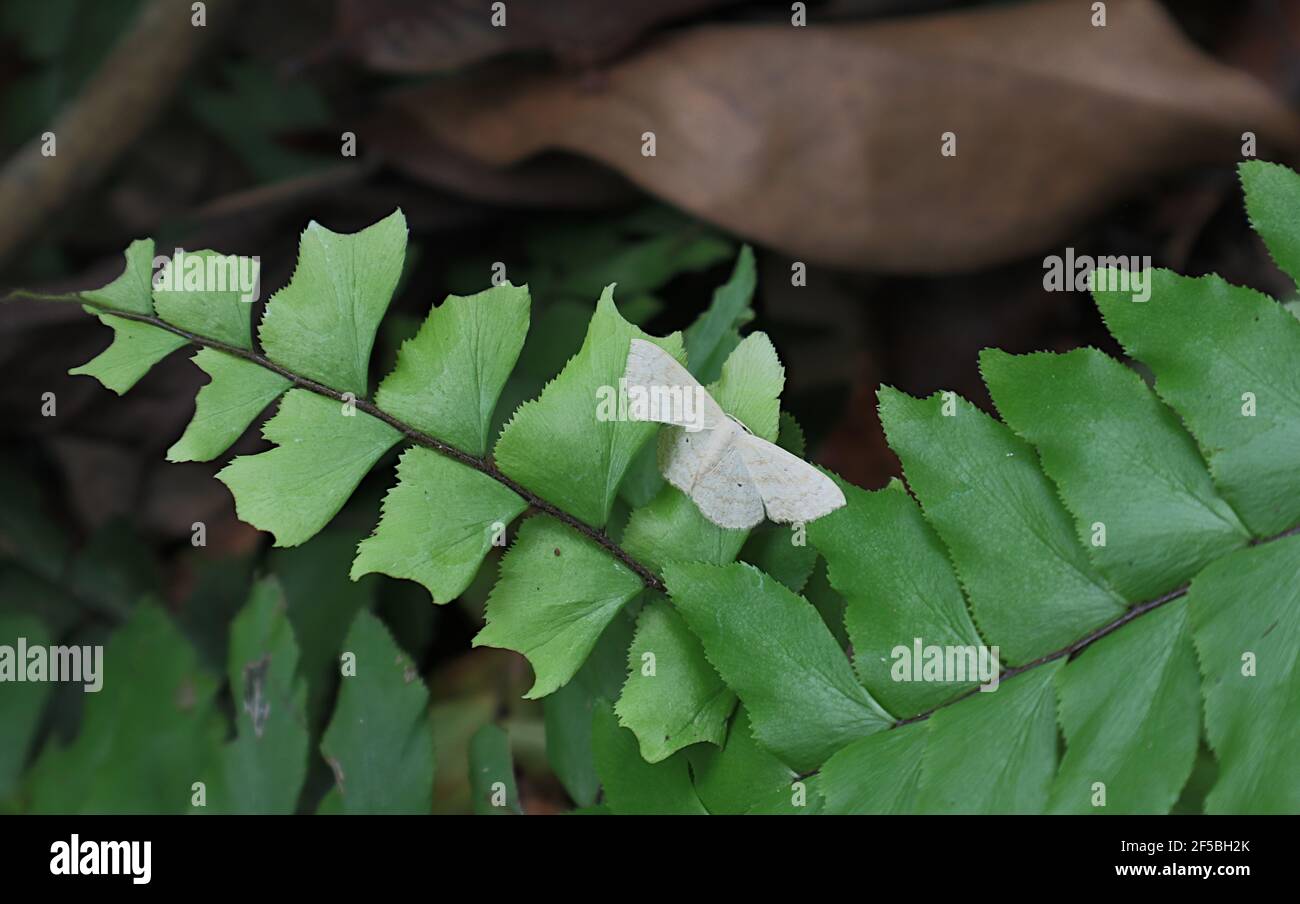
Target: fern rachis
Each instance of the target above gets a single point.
(1119, 643)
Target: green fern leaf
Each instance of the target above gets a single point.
(323, 449)
(1272, 199)
(449, 376)
(1130, 709)
(633, 786)
(1030, 583)
(240, 390)
(750, 387)
(743, 778)
(671, 528)
(263, 769)
(772, 649)
(772, 549)
(492, 773)
(1245, 611)
(898, 587)
(438, 523)
(879, 774)
(21, 704)
(556, 594)
(223, 315)
(996, 752)
(380, 741)
(136, 348)
(992, 753)
(322, 324)
(558, 445)
(568, 712)
(144, 736)
(1143, 502)
(673, 699)
(1220, 351)
(712, 338)
(133, 290)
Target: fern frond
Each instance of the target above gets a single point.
(1132, 552)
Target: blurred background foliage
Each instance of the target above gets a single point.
(521, 146)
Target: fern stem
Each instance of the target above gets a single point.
(1073, 649)
(420, 438)
(648, 576)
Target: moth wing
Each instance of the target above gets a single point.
(726, 494)
(658, 375)
(681, 456)
(792, 490)
(685, 454)
(719, 485)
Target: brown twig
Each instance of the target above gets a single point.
(117, 104)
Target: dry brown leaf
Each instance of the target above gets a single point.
(548, 180)
(423, 36)
(824, 142)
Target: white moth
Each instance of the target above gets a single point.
(732, 475)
